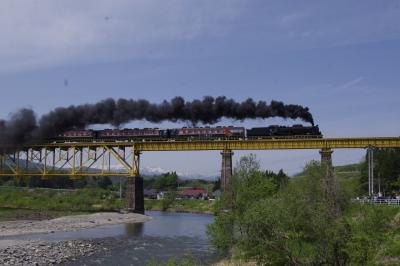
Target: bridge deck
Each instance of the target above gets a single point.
(122, 158)
(263, 144)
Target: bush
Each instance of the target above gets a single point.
(307, 222)
(168, 200)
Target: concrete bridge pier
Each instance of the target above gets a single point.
(330, 185)
(226, 170)
(134, 198)
(326, 156)
(326, 160)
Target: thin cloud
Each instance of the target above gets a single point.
(350, 84)
(61, 32)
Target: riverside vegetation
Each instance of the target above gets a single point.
(27, 199)
(49, 203)
(34, 204)
(299, 223)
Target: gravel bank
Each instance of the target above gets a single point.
(68, 223)
(48, 253)
(24, 252)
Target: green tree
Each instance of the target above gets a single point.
(280, 179)
(168, 200)
(386, 170)
(5, 180)
(168, 181)
(249, 184)
(104, 182)
(216, 185)
(289, 226)
(35, 181)
(80, 183)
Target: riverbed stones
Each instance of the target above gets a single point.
(48, 253)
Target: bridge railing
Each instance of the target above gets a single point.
(378, 201)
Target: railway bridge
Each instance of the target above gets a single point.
(123, 158)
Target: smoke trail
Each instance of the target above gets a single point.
(19, 129)
(23, 127)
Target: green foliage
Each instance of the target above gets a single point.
(168, 199)
(280, 179)
(174, 262)
(181, 205)
(168, 181)
(104, 182)
(293, 227)
(348, 168)
(375, 234)
(387, 169)
(37, 181)
(60, 182)
(60, 200)
(216, 185)
(250, 185)
(302, 223)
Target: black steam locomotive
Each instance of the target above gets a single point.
(284, 131)
(191, 133)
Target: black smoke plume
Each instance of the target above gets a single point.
(19, 129)
(23, 127)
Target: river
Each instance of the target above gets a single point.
(168, 235)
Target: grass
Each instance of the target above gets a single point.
(8, 214)
(83, 200)
(348, 168)
(184, 205)
(174, 262)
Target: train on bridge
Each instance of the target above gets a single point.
(190, 133)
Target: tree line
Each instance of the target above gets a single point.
(386, 171)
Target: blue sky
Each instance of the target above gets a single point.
(339, 58)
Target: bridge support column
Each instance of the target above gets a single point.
(326, 156)
(330, 186)
(226, 170)
(134, 198)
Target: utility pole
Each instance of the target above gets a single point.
(370, 171)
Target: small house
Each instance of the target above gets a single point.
(194, 193)
(150, 193)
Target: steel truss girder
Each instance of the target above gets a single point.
(74, 161)
(79, 159)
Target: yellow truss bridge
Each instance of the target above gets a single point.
(122, 158)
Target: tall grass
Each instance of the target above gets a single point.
(55, 200)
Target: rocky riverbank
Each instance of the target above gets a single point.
(48, 253)
(26, 252)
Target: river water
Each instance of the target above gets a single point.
(168, 235)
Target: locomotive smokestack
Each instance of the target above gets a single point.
(22, 127)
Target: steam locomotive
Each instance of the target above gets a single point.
(191, 133)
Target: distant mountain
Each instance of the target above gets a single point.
(157, 171)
